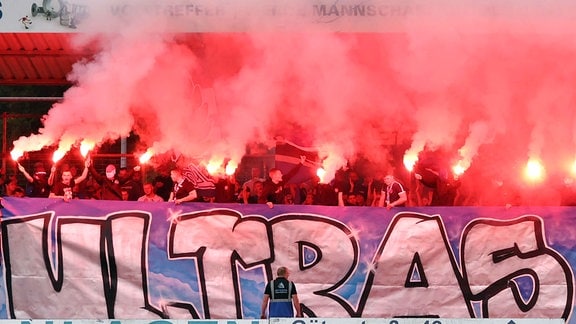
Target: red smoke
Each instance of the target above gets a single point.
(491, 85)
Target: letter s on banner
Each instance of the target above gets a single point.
(512, 272)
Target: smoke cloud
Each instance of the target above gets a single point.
(486, 83)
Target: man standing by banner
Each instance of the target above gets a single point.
(109, 184)
(280, 297)
(184, 189)
(393, 194)
(274, 185)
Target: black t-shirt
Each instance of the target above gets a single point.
(393, 191)
(39, 188)
(166, 188)
(273, 192)
(61, 189)
(134, 188)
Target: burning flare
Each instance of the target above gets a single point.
(86, 147)
(231, 167)
(534, 170)
(214, 166)
(573, 168)
(321, 173)
(144, 158)
(58, 155)
(16, 154)
(459, 168)
(410, 160)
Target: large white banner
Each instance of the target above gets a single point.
(89, 259)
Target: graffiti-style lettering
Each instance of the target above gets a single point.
(219, 240)
(93, 283)
(514, 273)
(295, 238)
(394, 287)
(197, 262)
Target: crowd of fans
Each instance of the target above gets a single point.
(70, 180)
(425, 187)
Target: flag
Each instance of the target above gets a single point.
(287, 157)
(205, 186)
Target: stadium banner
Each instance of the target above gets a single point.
(133, 260)
(70, 16)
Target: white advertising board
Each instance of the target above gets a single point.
(255, 15)
(413, 321)
(199, 15)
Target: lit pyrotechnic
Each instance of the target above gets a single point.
(58, 155)
(331, 159)
(213, 166)
(231, 167)
(459, 168)
(321, 173)
(534, 170)
(573, 168)
(16, 154)
(146, 156)
(86, 147)
(410, 160)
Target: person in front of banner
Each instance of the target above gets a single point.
(280, 297)
(149, 194)
(38, 182)
(248, 186)
(109, 184)
(184, 190)
(274, 185)
(65, 188)
(393, 193)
